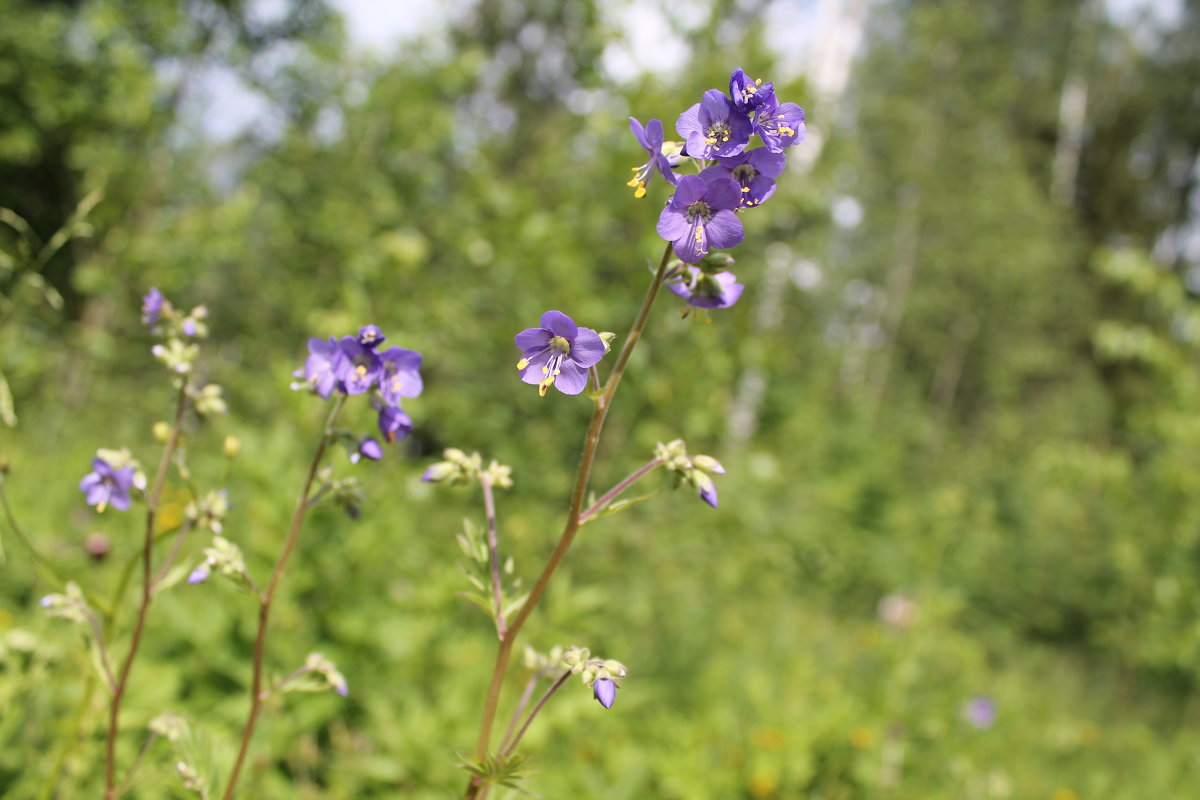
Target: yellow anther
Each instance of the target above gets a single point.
(523, 363)
(745, 188)
(786, 131)
(545, 370)
(640, 191)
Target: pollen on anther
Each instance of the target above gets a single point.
(523, 363)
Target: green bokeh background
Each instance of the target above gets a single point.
(963, 376)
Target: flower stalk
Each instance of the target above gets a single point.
(591, 442)
(122, 682)
(257, 695)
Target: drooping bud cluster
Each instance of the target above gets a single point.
(169, 725)
(225, 558)
(175, 329)
(70, 606)
(602, 675)
(319, 665)
(459, 469)
(693, 470)
(209, 511)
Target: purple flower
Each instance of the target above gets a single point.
(319, 369)
(199, 574)
(708, 493)
(394, 424)
(605, 691)
(651, 138)
(368, 448)
(747, 93)
(700, 216)
(714, 127)
(399, 376)
(152, 305)
(559, 353)
(755, 172)
(779, 126)
(706, 290)
(370, 336)
(980, 712)
(356, 366)
(105, 486)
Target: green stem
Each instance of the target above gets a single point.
(591, 442)
(489, 506)
(512, 746)
(160, 479)
(257, 696)
(612, 493)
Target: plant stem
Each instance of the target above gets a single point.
(165, 567)
(530, 685)
(591, 442)
(508, 751)
(264, 610)
(612, 493)
(160, 479)
(489, 507)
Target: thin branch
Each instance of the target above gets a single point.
(489, 506)
(257, 695)
(612, 493)
(160, 479)
(530, 685)
(529, 720)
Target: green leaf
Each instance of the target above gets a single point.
(621, 505)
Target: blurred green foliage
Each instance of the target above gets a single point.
(959, 413)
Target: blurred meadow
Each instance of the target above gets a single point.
(957, 553)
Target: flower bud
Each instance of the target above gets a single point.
(708, 464)
(162, 431)
(439, 472)
(605, 692)
(209, 401)
(233, 446)
(97, 546)
(608, 337)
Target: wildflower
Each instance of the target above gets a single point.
(779, 126)
(559, 353)
(980, 712)
(651, 138)
(394, 424)
(370, 336)
(747, 93)
(368, 448)
(319, 372)
(356, 366)
(706, 290)
(399, 376)
(605, 691)
(714, 127)
(755, 172)
(104, 485)
(152, 305)
(700, 216)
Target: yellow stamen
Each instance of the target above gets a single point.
(523, 363)
(640, 191)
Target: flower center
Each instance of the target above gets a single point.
(699, 211)
(718, 132)
(744, 173)
(560, 344)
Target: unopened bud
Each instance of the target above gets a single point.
(233, 446)
(162, 431)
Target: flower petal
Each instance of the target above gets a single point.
(587, 349)
(672, 224)
(532, 338)
(571, 378)
(723, 193)
(560, 324)
(724, 230)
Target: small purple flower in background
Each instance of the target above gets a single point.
(706, 290)
(980, 712)
(755, 172)
(319, 371)
(699, 216)
(152, 305)
(399, 376)
(394, 424)
(370, 336)
(105, 486)
(356, 366)
(559, 353)
(605, 691)
(368, 448)
(651, 138)
(714, 127)
(747, 93)
(779, 126)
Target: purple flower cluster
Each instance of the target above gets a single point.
(701, 215)
(355, 365)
